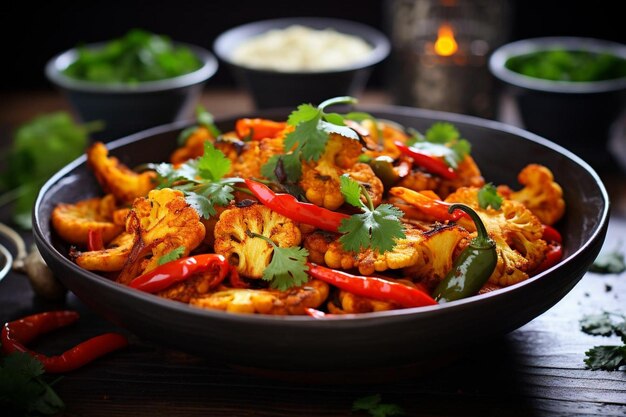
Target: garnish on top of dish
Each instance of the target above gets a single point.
(324, 213)
(136, 57)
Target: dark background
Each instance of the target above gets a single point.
(33, 33)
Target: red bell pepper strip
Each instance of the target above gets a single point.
(16, 334)
(257, 129)
(437, 209)
(172, 272)
(372, 287)
(300, 212)
(553, 257)
(550, 234)
(429, 162)
(94, 240)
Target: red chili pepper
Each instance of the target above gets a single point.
(372, 287)
(258, 129)
(172, 272)
(428, 162)
(437, 209)
(550, 234)
(94, 240)
(16, 334)
(290, 207)
(553, 257)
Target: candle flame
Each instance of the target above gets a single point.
(446, 44)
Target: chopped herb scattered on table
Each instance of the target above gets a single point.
(605, 357)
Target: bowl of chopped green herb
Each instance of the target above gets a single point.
(134, 82)
(570, 90)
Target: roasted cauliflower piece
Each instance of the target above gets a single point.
(320, 179)
(73, 221)
(541, 194)
(348, 303)
(516, 231)
(111, 259)
(416, 250)
(251, 255)
(117, 179)
(163, 221)
(291, 302)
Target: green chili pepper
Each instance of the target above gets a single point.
(383, 168)
(473, 267)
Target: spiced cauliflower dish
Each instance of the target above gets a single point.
(320, 214)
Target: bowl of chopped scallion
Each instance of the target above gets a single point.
(133, 82)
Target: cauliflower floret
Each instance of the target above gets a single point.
(254, 155)
(541, 194)
(320, 179)
(110, 259)
(162, 222)
(294, 301)
(468, 175)
(516, 231)
(73, 221)
(251, 255)
(116, 178)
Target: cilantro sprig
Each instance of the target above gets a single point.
(376, 408)
(377, 228)
(202, 180)
(288, 265)
(441, 140)
(173, 255)
(307, 141)
(607, 358)
(23, 391)
(488, 196)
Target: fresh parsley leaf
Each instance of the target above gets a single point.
(351, 190)
(606, 358)
(23, 390)
(597, 324)
(288, 265)
(373, 405)
(172, 255)
(213, 164)
(611, 262)
(488, 196)
(206, 119)
(377, 229)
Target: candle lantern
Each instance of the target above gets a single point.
(440, 53)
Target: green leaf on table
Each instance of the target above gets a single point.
(597, 324)
(606, 358)
(610, 262)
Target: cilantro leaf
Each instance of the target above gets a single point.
(213, 165)
(172, 255)
(206, 119)
(442, 132)
(372, 404)
(607, 358)
(351, 190)
(342, 129)
(291, 168)
(201, 204)
(307, 139)
(287, 268)
(442, 140)
(609, 263)
(303, 113)
(488, 196)
(377, 229)
(597, 324)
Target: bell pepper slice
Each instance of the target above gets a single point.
(300, 212)
(372, 287)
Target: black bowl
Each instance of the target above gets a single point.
(127, 109)
(277, 89)
(576, 115)
(366, 341)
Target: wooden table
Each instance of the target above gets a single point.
(537, 370)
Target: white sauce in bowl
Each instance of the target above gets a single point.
(301, 49)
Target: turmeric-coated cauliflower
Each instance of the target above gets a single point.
(516, 231)
(541, 194)
(73, 221)
(116, 178)
(251, 255)
(294, 301)
(163, 222)
(320, 179)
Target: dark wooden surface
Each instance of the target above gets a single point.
(537, 370)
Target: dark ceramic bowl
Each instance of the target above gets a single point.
(357, 342)
(127, 109)
(576, 115)
(277, 89)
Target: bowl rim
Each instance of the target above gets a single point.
(498, 59)
(56, 64)
(377, 39)
(344, 321)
